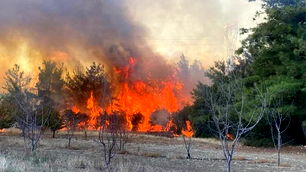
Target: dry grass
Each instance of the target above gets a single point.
(143, 153)
(285, 165)
(240, 158)
(263, 161)
(152, 155)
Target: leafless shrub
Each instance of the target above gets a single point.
(230, 117)
(29, 112)
(31, 119)
(71, 121)
(187, 131)
(187, 143)
(112, 136)
(123, 139)
(84, 124)
(278, 120)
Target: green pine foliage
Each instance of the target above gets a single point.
(273, 59)
(50, 88)
(278, 51)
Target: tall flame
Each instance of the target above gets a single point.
(146, 97)
(95, 109)
(139, 97)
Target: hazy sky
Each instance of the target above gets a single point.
(201, 29)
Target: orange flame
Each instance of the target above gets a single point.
(188, 132)
(229, 136)
(2, 130)
(95, 110)
(75, 109)
(144, 97)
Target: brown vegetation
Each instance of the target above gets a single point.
(142, 153)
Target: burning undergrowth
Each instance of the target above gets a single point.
(145, 105)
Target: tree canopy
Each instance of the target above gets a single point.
(93, 80)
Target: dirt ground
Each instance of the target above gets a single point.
(144, 153)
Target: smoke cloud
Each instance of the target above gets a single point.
(75, 31)
(204, 30)
(79, 32)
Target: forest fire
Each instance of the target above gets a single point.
(142, 98)
(145, 85)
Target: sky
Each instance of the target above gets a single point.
(206, 30)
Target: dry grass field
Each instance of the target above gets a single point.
(144, 153)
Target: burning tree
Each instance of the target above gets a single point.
(94, 91)
(179, 119)
(181, 125)
(136, 120)
(84, 123)
(160, 117)
(93, 83)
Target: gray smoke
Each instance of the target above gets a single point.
(160, 117)
(86, 30)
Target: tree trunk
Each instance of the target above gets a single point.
(304, 130)
(85, 134)
(69, 141)
(279, 144)
(188, 155)
(228, 165)
(33, 147)
(53, 134)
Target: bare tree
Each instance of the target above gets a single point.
(84, 123)
(32, 118)
(107, 139)
(71, 121)
(30, 114)
(123, 134)
(231, 112)
(187, 132)
(112, 136)
(187, 144)
(278, 120)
